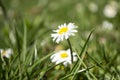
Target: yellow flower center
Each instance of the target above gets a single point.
(64, 55)
(4, 53)
(63, 30)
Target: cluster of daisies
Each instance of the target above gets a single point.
(63, 56)
(64, 31)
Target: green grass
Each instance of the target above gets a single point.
(26, 27)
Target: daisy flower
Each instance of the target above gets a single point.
(6, 53)
(111, 10)
(63, 56)
(93, 7)
(107, 25)
(64, 31)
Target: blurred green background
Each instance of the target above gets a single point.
(42, 16)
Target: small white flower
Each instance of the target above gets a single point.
(110, 10)
(93, 7)
(6, 53)
(64, 31)
(107, 25)
(63, 56)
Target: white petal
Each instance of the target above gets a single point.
(10, 51)
(69, 61)
(7, 55)
(55, 59)
(74, 53)
(59, 61)
(52, 56)
(64, 25)
(1, 50)
(66, 36)
(55, 30)
(65, 64)
(74, 59)
(58, 40)
(61, 38)
(74, 31)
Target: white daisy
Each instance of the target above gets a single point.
(6, 53)
(106, 25)
(93, 7)
(63, 56)
(110, 10)
(64, 31)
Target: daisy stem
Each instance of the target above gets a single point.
(70, 50)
